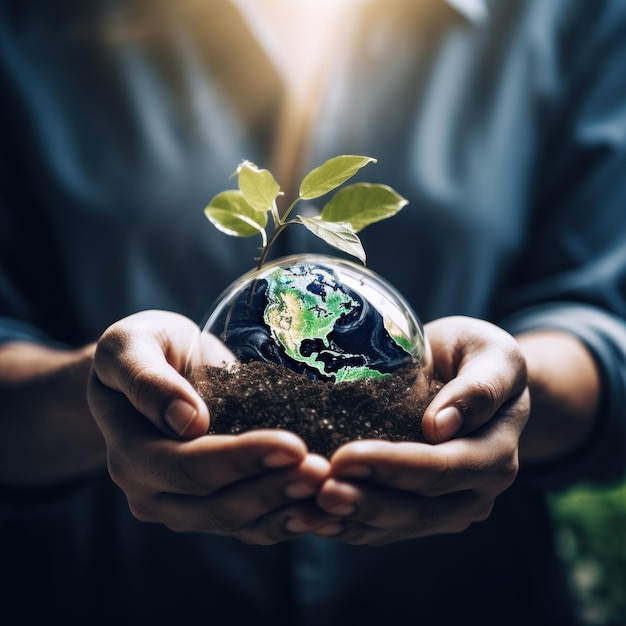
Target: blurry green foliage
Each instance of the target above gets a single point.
(591, 539)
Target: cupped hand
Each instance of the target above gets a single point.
(381, 492)
(257, 487)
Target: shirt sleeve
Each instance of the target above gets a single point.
(14, 312)
(602, 459)
(15, 324)
(573, 277)
(16, 330)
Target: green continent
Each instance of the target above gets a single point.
(295, 313)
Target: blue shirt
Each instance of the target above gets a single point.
(504, 128)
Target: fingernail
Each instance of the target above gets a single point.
(448, 422)
(299, 490)
(279, 459)
(179, 415)
(331, 529)
(297, 526)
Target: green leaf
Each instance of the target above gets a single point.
(230, 213)
(259, 187)
(363, 204)
(331, 174)
(339, 235)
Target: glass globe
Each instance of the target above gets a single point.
(322, 316)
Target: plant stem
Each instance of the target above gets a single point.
(280, 223)
(266, 248)
(290, 209)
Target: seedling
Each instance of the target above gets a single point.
(298, 323)
(244, 212)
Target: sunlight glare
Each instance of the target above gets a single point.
(300, 36)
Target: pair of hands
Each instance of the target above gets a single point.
(264, 487)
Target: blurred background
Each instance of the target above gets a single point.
(591, 539)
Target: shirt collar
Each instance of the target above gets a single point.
(476, 11)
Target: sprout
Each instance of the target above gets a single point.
(244, 212)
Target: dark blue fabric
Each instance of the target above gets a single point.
(119, 122)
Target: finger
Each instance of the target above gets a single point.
(288, 523)
(488, 460)
(417, 468)
(355, 534)
(214, 462)
(236, 509)
(144, 460)
(141, 458)
(483, 373)
(143, 357)
(383, 516)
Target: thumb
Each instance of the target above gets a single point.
(142, 357)
(484, 370)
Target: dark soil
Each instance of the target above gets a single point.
(324, 414)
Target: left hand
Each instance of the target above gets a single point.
(255, 487)
(380, 492)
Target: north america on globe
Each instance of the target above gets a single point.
(303, 317)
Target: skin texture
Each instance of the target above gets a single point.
(263, 487)
(388, 492)
(46, 428)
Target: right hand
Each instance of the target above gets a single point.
(393, 491)
(257, 487)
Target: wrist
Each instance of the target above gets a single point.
(47, 433)
(564, 386)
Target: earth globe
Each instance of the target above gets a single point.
(332, 334)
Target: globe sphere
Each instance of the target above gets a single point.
(322, 316)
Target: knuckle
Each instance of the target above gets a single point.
(445, 473)
(111, 344)
(270, 537)
(460, 526)
(142, 511)
(219, 518)
(422, 526)
(483, 510)
(456, 525)
(504, 472)
(176, 527)
(183, 525)
(142, 507)
(517, 361)
(185, 478)
(115, 466)
(510, 470)
(485, 396)
(143, 385)
(251, 540)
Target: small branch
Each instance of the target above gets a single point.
(266, 248)
(290, 208)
